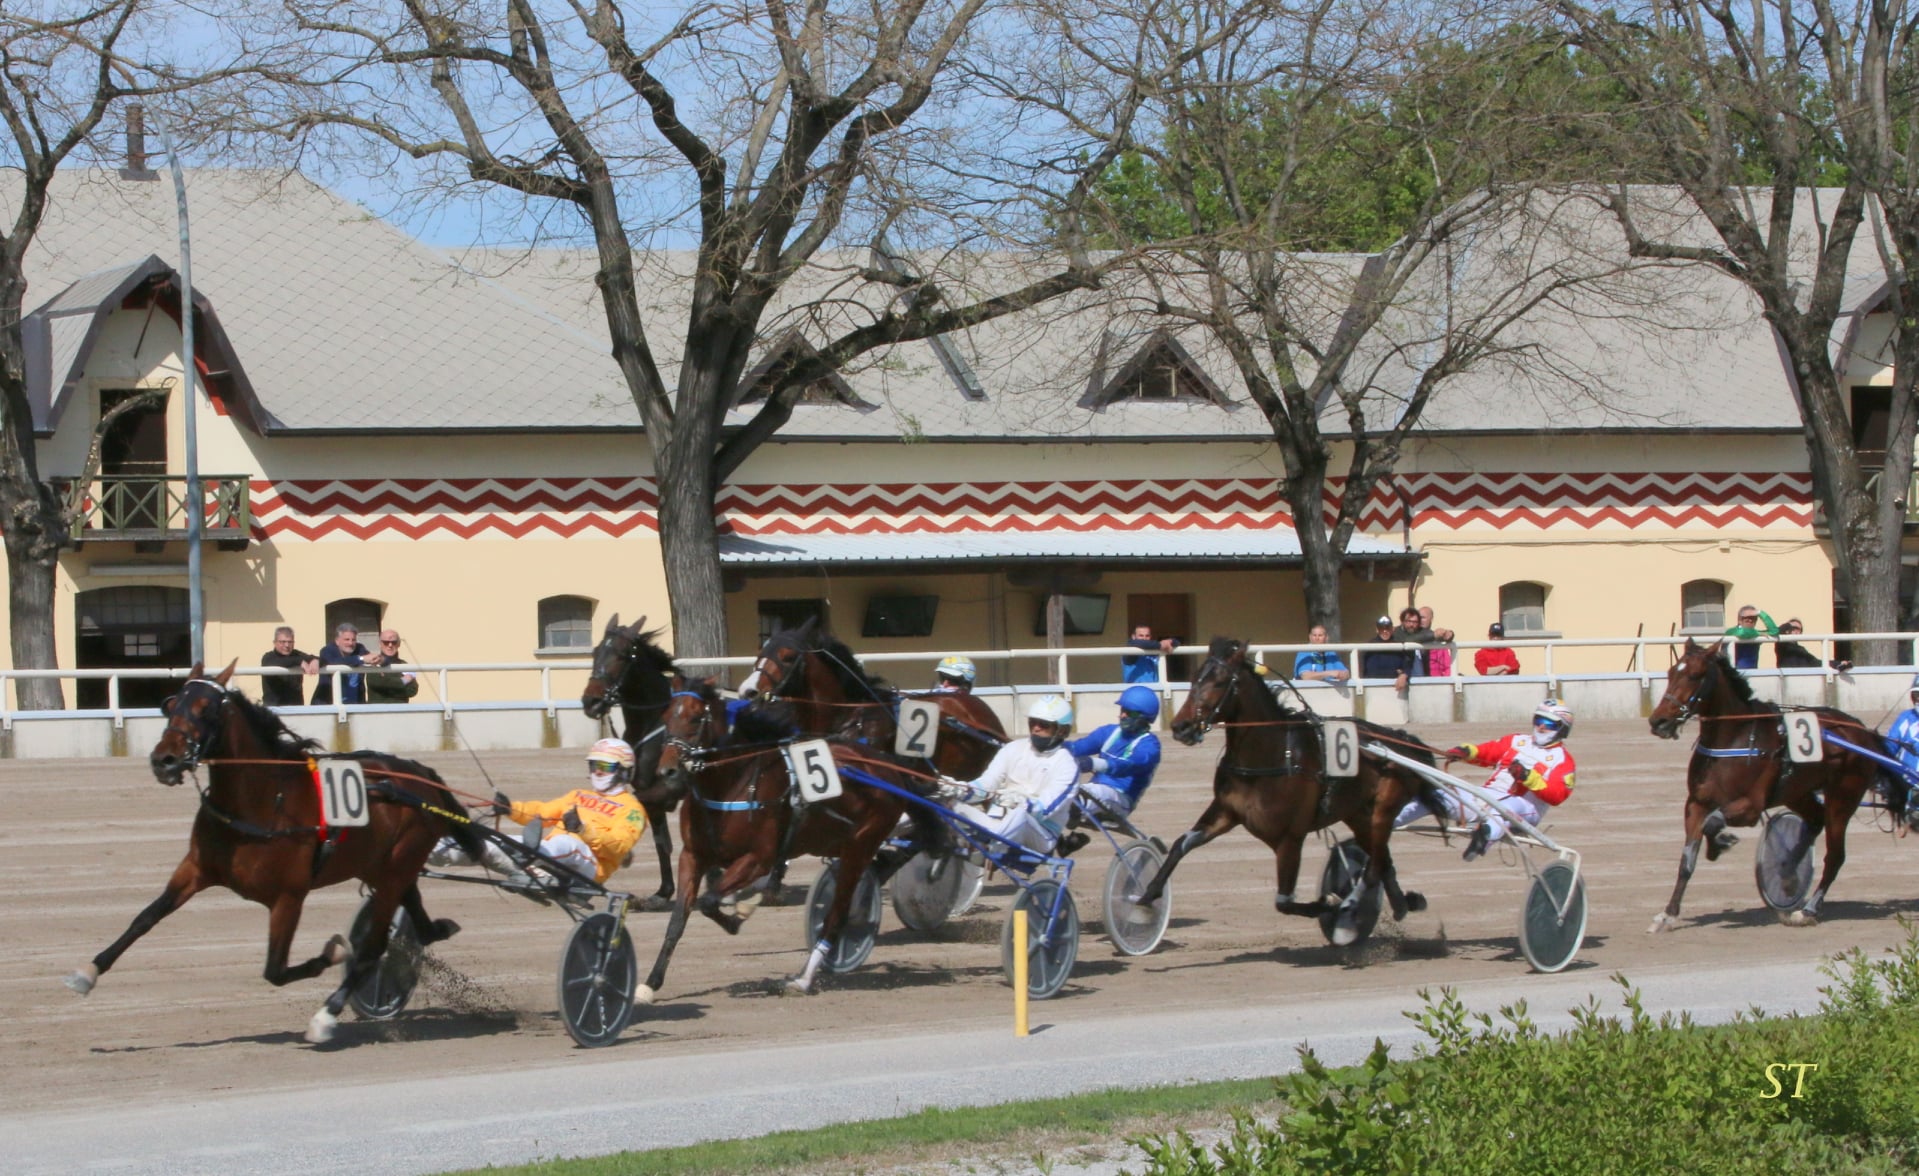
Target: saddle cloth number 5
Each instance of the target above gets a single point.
(814, 772)
(343, 793)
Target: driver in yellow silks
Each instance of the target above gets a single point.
(589, 830)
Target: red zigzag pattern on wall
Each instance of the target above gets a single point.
(419, 508)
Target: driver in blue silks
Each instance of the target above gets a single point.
(1121, 756)
(1904, 735)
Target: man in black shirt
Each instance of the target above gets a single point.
(282, 689)
(1392, 662)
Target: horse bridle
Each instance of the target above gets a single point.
(206, 725)
(1689, 708)
(1211, 718)
(692, 756)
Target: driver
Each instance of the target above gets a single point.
(589, 830)
(1023, 792)
(1121, 756)
(1534, 771)
(954, 675)
(1904, 733)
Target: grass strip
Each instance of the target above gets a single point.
(1059, 1122)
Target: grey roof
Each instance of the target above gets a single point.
(1275, 545)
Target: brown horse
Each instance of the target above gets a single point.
(741, 818)
(631, 673)
(1271, 779)
(259, 834)
(1740, 768)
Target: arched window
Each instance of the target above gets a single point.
(566, 622)
(1522, 607)
(1702, 605)
(359, 612)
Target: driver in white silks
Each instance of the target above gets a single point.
(1535, 772)
(1025, 794)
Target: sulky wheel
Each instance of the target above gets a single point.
(1345, 869)
(862, 918)
(1135, 928)
(1050, 951)
(1552, 924)
(385, 992)
(597, 978)
(1783, 863)
(927, 890)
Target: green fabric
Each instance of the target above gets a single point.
(1747, 632)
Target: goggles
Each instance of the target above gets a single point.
(599, 767)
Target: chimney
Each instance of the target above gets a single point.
(136, 168)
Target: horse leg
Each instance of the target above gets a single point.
(854, 859)
(1834, 820)
(689, 886)
(380, 907)
(430, 930)
(1217, 819)
(1718, 838)
(738, 873)
(1698, 815)
(1286, 856)
(661, 899)
(1401, 901)
(186, 882)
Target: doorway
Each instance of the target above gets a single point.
(130, 628)
(134, 447)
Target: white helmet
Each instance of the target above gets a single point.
(1053, 710)
(618, 753)
(1556, 713)
(960, 669)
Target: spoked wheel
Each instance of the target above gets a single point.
(1135, 928)
(862, 919)
(1783, 864)
(597, 977)
(1345, 869)
(930, 889)
(1050, 951)
(385, 992)
(1553, 922)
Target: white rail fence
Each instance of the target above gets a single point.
(454, 711)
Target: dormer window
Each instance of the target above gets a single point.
(1160, 371)
(829, 389)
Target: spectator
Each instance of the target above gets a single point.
(1790, 655)
(1439, 658)
(346, 650)
(393, 685)
(281, 689)
(1413, 630)
(1495, 660)
(1319, 665)
(1392, 662)
(1141, 667)
(1752, 622)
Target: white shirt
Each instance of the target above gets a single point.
(1045, 778)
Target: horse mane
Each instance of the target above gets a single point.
(1223, 647)
(1736, 681)
(272, 730)
(647, 648)
(763, 722)
(852, 676)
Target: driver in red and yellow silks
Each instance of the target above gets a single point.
(590, 830)
(1534, 773)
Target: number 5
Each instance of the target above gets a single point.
(814, 772)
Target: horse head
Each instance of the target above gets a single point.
(611, 658)
(1689, 684)
(194, 721)
(1214, 687)
(781, 662)
(692, 724)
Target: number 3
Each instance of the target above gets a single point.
(1805, 741)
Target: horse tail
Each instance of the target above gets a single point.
(425, 780)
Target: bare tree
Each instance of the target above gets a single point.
(1746, 108)
(764, 132)
(1341, 350)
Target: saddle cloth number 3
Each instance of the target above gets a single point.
(342, 793)
(814, 772)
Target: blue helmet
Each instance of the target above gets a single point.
(1140, 700)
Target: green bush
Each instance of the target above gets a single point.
(1612, 1094)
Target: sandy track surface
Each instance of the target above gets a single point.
(185, 1016)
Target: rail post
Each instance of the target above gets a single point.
(1021, 960)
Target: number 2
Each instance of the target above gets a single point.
(918, 728)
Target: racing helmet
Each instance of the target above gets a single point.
(957, 668)
(1554, 712)
(1140, 700)
(1056, 712)
(609, 765)
(1915, 684)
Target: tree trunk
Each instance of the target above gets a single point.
(1304, 487)
(30, 566)
(690, 548)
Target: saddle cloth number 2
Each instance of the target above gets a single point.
(343, 793)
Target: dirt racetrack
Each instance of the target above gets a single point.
(186, 1015)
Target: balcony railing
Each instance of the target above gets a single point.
(150, 509)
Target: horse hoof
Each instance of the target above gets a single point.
(654, 903)
(796, 987)
(83, 979)
(644, 995)
(320, 1028)
(337, 950)
(1662, 922)
(1799, 919)
(1345, 933)
(1719, 843)
(1415, 901)
(744, 908)
(444, 929)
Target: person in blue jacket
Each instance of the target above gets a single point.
(1121, 756)
(1904, 735)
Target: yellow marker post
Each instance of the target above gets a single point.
(1021, 956)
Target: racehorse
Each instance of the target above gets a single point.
(1272, 780)
(741, 819)
(1739, 769)
(631, 672)
(259, 834)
